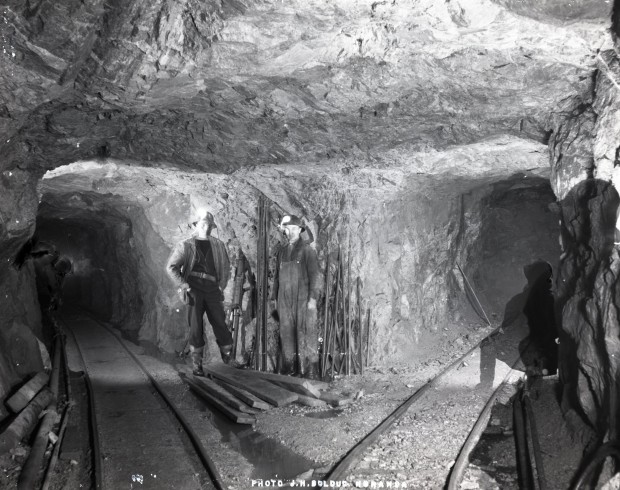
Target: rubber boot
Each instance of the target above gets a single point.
(312, 372)
(195, 354)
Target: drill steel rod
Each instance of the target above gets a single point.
(325, 315)
(339, 314)
(262, 276)
(259, 318)
(348, 306)
(367, 336)
(343, 331)
(360, 328)
(265, 280)
(334, 316)
(345, 310)
(343, 314)
(258, 284)
(474, 293)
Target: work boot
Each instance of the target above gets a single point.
(226, 353)
(287, 367)
(195, 354)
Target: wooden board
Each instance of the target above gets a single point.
(261, 388)
(25, 421)
(300, 390)
(27, 392)
(310, 401)
(311, 385)
(231, 413)
(221, 394)
(335, 400)
(243, 395)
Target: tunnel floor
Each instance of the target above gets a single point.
(297, 441)
(300, 442)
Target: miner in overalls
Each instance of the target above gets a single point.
(199, 266)
(296, 289)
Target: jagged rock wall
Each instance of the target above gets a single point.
(348, 88)
(406, 226)
(586, 170)
(20, 321)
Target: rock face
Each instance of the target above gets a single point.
(586, 181)
(412, 133)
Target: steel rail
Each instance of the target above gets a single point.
(193, 437)
(202, 453)
(66, 411)
(587, 473)
(96, 457)
(462, 461)
(340, 470)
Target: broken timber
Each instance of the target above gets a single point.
(261, 388)
(26, 421)
(221, 394)
(27, 392)
(243, 395)
(299, 389)
(231, 413)
(335, 400)
(311, 387)
(310, 401)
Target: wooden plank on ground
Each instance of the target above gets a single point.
(27, 392)
(231, 413)
(334, 399)
(310, 384)
(310, 401)
(300, 390)
(25, 421)
(244, 395)
(221, 394)
(263, 389)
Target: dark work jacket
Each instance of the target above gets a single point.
(183, 258)
(309, 262)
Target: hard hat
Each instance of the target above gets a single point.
(291, 219)
(204, 215)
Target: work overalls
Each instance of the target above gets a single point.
(298, 329)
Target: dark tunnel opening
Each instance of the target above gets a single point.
(519, 227)
(105, 277)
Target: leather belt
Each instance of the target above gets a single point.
(202, 275)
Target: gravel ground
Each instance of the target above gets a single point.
(418, 451)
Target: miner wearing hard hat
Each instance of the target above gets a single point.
(200, 267)
(296, 288)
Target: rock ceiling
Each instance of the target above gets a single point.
(219, 85)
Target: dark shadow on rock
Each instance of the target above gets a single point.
(528, 331)
(539, 351)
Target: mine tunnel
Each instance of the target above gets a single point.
(336, 244)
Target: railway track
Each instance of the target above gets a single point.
(139, 438)
(438, 454)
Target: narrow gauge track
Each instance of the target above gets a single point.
(456, 386)
(139, 438)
